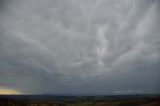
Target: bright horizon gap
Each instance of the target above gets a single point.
(6, 91)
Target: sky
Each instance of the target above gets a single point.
(87, 47)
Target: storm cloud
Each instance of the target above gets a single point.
(80, 46)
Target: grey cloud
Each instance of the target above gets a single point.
(79, 46)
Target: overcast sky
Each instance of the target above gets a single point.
(80, 46)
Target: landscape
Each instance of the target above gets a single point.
(79, 52)
(52, 100)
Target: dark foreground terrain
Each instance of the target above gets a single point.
(50, 100)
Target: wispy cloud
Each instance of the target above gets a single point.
(72, 46)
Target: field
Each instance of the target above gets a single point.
(52, 100)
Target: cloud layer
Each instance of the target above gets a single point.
(80, 46)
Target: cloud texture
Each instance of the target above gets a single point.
(80, 46)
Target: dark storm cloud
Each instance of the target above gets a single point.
(80, 46)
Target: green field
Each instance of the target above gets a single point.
(44, 100)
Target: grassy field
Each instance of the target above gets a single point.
(45, 100)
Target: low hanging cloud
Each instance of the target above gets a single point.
(80, 46)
